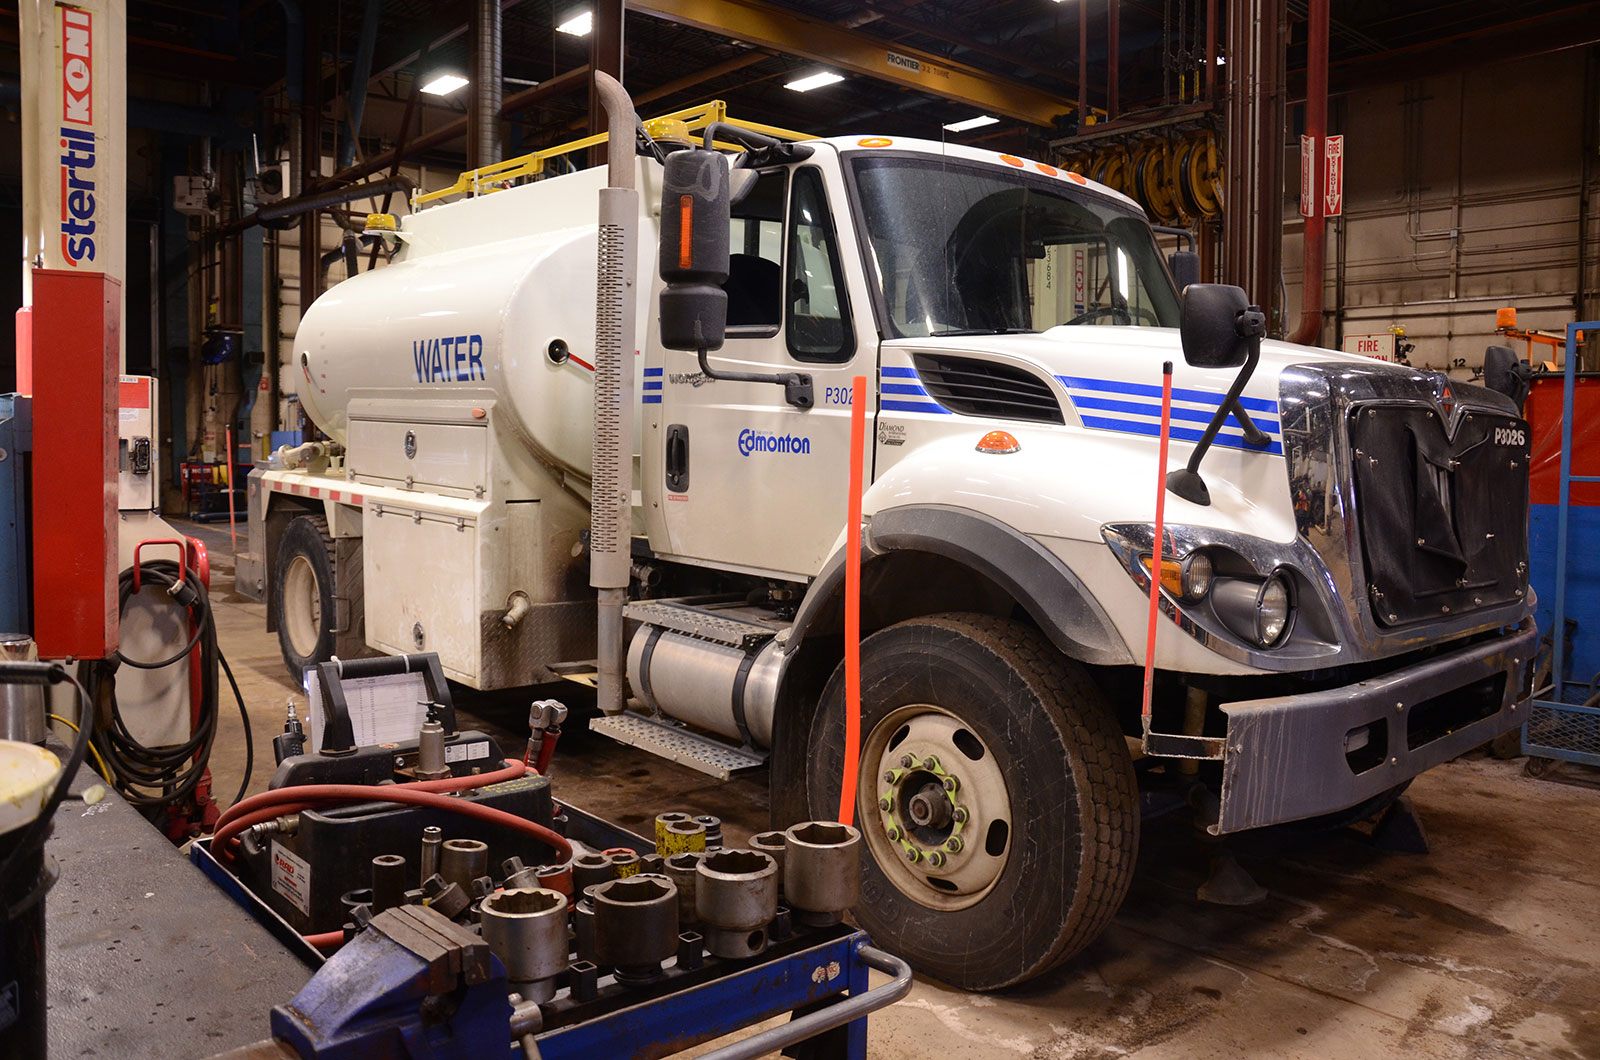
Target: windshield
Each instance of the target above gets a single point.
(964, 248)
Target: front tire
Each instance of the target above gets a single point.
(302, 594)
(977, 730)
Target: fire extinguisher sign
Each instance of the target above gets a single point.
(1333, 178)
(1308, 169)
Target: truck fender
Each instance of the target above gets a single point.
(1054, 597)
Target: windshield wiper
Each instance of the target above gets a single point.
(982, 331)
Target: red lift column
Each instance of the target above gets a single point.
(75, 401)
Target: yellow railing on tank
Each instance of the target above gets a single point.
(487, 179)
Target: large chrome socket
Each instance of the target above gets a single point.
(635, 925)
(680, 869)
(463, 860)
(527, 929)
(772, 844)
(588, 870)
(821, 871)
(736, 897)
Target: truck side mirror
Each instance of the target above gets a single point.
(1219, 326)
(1507, 373)
(696, 212)
(1185, 266)
(1220, 329)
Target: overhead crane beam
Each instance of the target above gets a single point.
(795, 34)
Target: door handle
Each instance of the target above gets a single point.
(678, 458)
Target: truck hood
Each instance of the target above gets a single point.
(1132, 355)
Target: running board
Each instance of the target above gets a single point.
(677, 744)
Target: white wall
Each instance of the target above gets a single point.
(1461, 196)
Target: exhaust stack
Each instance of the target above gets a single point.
(611, 508)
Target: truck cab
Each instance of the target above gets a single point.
(1343, 600)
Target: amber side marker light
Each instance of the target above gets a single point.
(686, 233)
(999, 442)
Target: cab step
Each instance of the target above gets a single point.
(670, 740)
(723, 620)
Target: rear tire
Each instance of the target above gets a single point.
(303, 594)
(1048, 823)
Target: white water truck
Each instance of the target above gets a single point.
(528, 473)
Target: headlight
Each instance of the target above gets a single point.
(1258, 612)
(1196, 579)
(1274, 604)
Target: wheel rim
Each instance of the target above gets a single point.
(934, 807)
(302, 607)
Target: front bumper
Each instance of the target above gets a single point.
(1292, 757)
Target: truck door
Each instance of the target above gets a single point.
(741, 479)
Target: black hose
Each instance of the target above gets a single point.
(249, 737)
(174, 770)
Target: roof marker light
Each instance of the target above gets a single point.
(1000, 443)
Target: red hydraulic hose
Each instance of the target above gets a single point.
(547, 750)
(324, 940)
(852, 604)
(306, 796)
(1155, 552)
(268, 798)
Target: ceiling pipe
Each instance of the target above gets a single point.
(360, 76)
(486, 60)
(1113, 59)
(1316, 231)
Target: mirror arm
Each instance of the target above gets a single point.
(797, 390)
(1253, 435)
(1186, 481)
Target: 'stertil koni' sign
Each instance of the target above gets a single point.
(74, 136)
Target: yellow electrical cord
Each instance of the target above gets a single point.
(101, 762)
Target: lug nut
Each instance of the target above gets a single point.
(954, 845)
(906, 761)
(930, 763)
(893, 833)
(884, 805)
(913, 856)
(951, 784)
(936, 859)
(959, 815)
(888, 777)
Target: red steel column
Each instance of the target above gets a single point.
(75, 401)
(1316, 237)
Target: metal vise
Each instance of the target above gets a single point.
(414, 986)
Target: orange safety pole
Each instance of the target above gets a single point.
(852, 603)
(1155, 553)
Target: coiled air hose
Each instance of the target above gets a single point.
(174, 770)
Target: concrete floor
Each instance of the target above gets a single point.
(1486, 947)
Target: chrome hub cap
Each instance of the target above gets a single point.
(940, 804)
(302, 606)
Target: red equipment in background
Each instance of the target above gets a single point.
(75, 356)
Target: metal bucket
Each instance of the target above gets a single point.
(28, 775)
(22, 707)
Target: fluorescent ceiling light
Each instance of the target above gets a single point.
(578, 25)
(971, 123)
(443, 84)
(817, 80)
